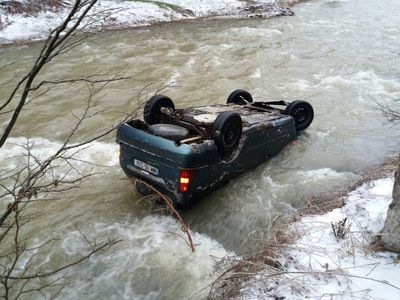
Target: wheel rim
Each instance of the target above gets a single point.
(230, 135)
(152, 110)
(240, 97)
(157, 114)
(300, 115)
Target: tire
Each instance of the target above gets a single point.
(302, 113)
(226, 132)
(240, 97)
(143, 189)
(169, 131)
(152, 109)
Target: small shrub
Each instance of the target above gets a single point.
(31, 7)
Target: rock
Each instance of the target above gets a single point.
(391, 231)
(257, 10)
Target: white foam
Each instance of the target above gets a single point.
(150, 253)
(302, 85)
(254, 32)
(190, 62)
(326, 133)
(89, 159)
(318, 177)
(101, 153)
(174, 77)
(256, 74)
(368, 81)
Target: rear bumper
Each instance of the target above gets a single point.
(169, 187)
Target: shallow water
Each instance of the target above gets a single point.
(338, 55)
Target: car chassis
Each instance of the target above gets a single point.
(187, 153)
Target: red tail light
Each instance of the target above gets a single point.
(185, 178)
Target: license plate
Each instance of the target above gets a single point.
(146, 167)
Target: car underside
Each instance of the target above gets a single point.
(187, 153)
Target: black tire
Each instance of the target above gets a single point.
(152, 109)
(240, 97)
(302, 113)
(226, 132)
(169, 131)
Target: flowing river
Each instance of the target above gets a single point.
(341, 56)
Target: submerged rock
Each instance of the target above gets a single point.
(391, 231)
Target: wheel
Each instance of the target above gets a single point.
(302, 112)
(143, 189)
(152, 109)
(239, 97)
(169, 131)
(226, 132)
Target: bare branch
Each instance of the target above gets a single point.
(7, 65)
(392, 115)
(49, 51)
(75, 80)
(171, 207)
(59, 172)
(103, 247)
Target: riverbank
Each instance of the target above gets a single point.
(22, 21)
(330, 249)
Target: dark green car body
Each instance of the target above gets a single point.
(160, 162)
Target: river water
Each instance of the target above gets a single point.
(338, 55)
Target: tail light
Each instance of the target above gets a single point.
(185, 178)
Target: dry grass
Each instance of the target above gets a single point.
(266, 259)
(32, 7)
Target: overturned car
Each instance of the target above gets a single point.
(187, 153)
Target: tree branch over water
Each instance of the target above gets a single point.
(59, 39)
(33, 178)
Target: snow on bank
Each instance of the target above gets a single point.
(120, 14)
(322, 267)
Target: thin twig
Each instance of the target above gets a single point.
(171, 207)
